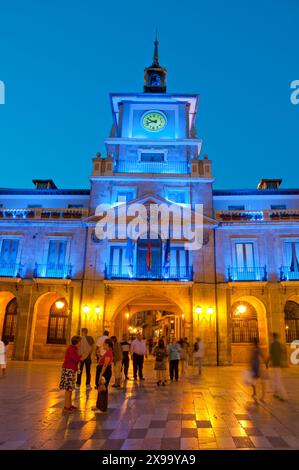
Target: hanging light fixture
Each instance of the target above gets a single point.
(59, 304)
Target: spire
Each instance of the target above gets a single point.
(156, 52)
(155, 75)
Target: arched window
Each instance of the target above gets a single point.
(58, 318)
(291, 316)
(244, 323)
(10, 320)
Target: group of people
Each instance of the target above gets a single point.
(114, 356)
(258, 374)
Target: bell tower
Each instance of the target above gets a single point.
(155, 75)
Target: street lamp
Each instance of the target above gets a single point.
(210, 310)
(127, 315)
(85, 309)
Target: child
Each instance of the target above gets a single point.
(105, 372)
(68, 376)
(3, 345)
(160, 354)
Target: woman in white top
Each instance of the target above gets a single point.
(3, 345)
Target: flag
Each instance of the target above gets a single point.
(149, 256)
(129, 256)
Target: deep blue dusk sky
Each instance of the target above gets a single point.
(59, 59)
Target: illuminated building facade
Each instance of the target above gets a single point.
(57, 276)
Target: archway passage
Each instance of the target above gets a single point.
(248, 321)
(291, 315)
(153, 316)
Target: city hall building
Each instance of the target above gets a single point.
(57, 276)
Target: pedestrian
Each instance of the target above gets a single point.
(138, 352)
(198, 353)
(3, 356)
(125, 345)
(150, 345)
(86, 347)
(276, 361)
(105, 373)
(160, 353)
(257, 373)
(174, 359)
(68, 374)
(184, 355)
(117, 361)
(100, 351)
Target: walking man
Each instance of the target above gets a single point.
(174, 358)
(125, 345)
(138, 351)
(85, 349)
(276, 361)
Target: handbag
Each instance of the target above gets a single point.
(102, 399)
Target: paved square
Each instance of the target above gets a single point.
(215, 411)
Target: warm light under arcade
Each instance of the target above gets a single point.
(85, 309)
(59, 304)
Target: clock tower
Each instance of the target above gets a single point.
(155, 75)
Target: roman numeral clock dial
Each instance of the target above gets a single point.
(153, 121)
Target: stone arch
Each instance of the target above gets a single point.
(146, 303)
(241, 352)
(39, 348)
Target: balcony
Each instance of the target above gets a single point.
(10, 270)
(38, 213)
(288, 274)
(235, 216)
(168, 167)
(235, 274)
(179, 273)
(53, 271)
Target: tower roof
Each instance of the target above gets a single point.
(155, 75)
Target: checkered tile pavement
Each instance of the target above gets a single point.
(212, 412)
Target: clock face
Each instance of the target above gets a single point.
(153, 121)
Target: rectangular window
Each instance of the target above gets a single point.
(178, 195)
(278, 207)
(123, 192)
(179, 262)
(9, 252)
(152, 157)
(34, 206)
(118, 265)
(236, 208)
(244, 255)
(75, 206)
(291, 255)
(56, 266)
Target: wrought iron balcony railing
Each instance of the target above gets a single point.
(289, 274)
(247, 274)
(178, 273)
(10, 269)
(57, 271)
